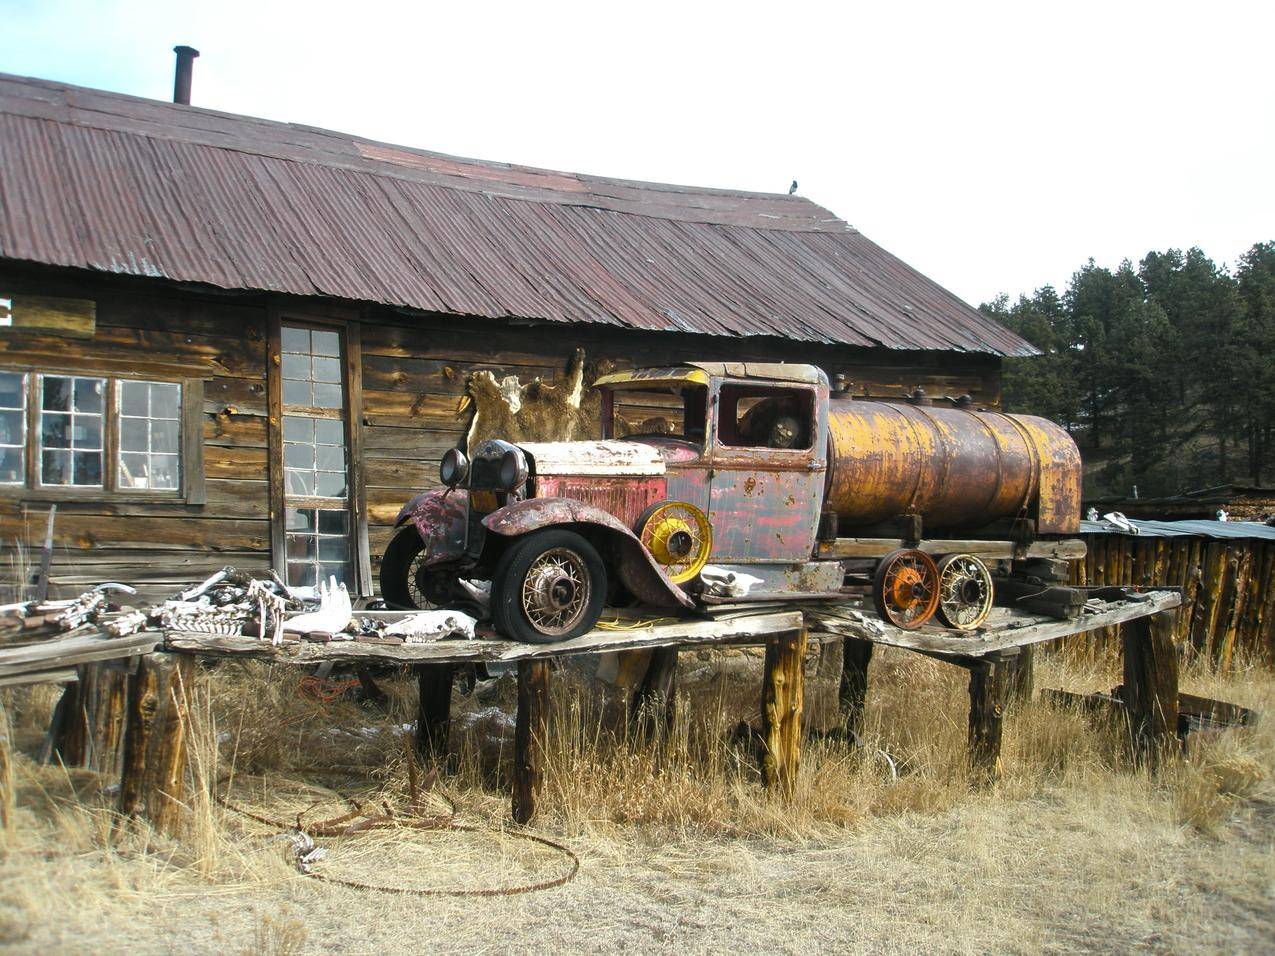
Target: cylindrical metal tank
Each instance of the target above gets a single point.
(957, 468)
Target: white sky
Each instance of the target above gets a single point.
(995, 147)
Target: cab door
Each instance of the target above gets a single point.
(768, 459)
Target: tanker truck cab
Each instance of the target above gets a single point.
(755, 463)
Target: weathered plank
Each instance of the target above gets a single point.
(753, 628)
(60, 653)
(1065, 548)
(1020, 631)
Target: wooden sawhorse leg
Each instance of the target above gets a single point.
(433, 710)
(781, 705)
(157, 740)
(852, 695)
(1151, 684)
(991, 681)
(530, 728)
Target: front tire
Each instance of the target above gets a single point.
(549, 586)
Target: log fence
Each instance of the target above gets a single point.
(1228, 591)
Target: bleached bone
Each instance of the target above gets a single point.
(728, 583)
(191, 593)
(334, 613)
(480, 591)
(129, 623)
(112, 586)
(428, 626)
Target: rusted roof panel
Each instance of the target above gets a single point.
(120, 184)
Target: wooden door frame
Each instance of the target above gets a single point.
(352, 383)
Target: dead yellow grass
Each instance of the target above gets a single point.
(884, 847)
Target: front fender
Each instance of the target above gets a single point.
(440, 518)
(638, 571)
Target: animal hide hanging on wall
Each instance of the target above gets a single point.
(565, 410)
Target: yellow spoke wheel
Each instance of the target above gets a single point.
(678, 537)
(965, 591)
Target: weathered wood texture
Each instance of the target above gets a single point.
(990, 687)
(736, 628)
(651, 709)
(781, 706)
(1005, 629)
(433, 709)
(157, 741)
(530, 727)
(1150, 689)
(215, 346)
(1228, 591)
(92, 727)
(852, 695)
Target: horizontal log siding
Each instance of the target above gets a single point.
(155, 545)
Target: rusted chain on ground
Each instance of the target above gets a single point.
(357, 821)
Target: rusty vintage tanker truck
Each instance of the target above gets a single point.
(711, 474)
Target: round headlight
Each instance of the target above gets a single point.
(454, 468)
(513, 469)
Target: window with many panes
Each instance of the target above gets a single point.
(315, 457)
(67, 432)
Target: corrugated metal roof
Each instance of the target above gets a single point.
(120, 184)
(1175, 529)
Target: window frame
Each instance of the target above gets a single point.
(190, 453)
(351, 416)
(722, 405)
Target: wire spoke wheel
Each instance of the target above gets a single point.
(678, 536)
(906, 588)
(416, 578)
(555, 591)
(965, 591)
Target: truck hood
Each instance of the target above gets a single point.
(631, 459)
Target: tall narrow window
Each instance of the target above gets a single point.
(71, 417)
(13, 428)
(315, 460)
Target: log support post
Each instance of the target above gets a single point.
(1151, 685)
(651, 711)
(990, 680)
(530, 728)
(1022, 684)
(852, 695)
(157, 740)
(89, 729)
(781, 704)
(433, 710)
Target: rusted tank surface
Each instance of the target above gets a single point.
(955, 467)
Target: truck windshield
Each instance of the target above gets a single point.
(675, 411)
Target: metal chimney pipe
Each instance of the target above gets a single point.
(185, 66)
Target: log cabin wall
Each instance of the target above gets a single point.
(407, 376)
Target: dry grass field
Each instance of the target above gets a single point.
(885, 848)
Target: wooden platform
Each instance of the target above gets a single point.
(996, 657)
